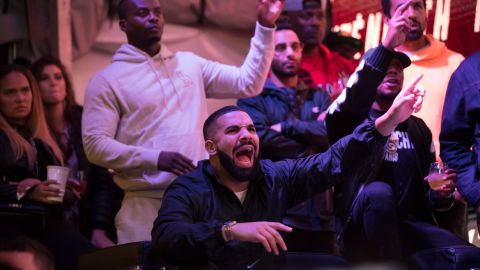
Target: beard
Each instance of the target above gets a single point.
(281, 72)
(386, 97)
(238, 173)
(415, 34)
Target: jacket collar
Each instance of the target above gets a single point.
(257, 186)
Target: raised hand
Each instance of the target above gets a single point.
(409, 100)
(398, 27)
(262, 232)
(268, 12)
(174, 162)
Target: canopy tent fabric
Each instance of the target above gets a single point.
(225, 14)
(214, 29)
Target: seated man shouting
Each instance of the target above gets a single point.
(226, 213)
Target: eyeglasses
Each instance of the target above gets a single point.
(282, 47)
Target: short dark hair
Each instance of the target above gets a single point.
(214, 116)
(122, 9)
(294, 5)
(386, 7)
(42, 256)
(283, 23)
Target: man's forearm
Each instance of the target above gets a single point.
(385, 124)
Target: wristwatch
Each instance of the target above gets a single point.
(227, 230)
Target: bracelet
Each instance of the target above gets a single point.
(227, 230)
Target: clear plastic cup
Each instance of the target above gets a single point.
(60, 175)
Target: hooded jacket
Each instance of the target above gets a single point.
(436, 63)
(327, 68)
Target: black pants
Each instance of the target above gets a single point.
(455, 219)
(375, 232)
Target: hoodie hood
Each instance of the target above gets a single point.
(435, 50)
(132, 54)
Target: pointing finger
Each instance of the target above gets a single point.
(411, 86)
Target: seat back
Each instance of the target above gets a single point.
(138, 255)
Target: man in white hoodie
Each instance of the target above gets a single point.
(143, 113)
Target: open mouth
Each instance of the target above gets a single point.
(244, 155)
(391, 81)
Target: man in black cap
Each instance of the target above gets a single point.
(385, 211)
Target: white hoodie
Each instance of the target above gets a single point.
(139, 106)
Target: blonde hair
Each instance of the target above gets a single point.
(35, 122)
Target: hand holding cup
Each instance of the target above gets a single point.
(58, 176)
(441, 179)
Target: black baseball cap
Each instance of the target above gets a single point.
(404, 59)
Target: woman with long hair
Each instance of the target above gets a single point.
(27, 146)
(26, 149)
(63, 115)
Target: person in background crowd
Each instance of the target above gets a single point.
(26, 149)
(151, 104)
(429, 57)
(328, 69)
(94, 212)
